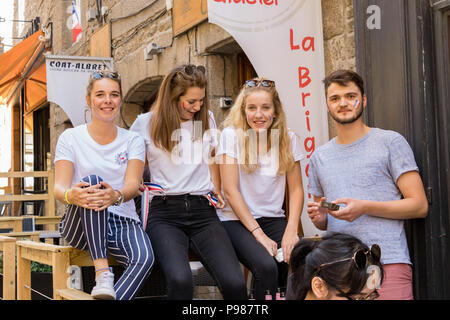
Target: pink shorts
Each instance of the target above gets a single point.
(397, 282)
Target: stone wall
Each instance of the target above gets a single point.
(339, 40)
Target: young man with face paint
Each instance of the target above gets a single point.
(372, 174)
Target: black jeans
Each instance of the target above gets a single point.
(267, 273)
(177, 223)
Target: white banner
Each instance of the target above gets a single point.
(67, 78)
(284, 41)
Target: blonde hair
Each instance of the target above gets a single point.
(166, 113)
(238, 120)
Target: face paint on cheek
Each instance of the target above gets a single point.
(356, 105)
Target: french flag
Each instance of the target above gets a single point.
(76, 24)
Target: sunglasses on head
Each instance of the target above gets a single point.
(370, 296)
(190, 69)
(259, 83)
(359, 258)
(97, 75)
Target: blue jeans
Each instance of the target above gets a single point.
(179, 223)
(103, 232)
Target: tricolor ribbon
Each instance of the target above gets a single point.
(150, 190)
(212, 200)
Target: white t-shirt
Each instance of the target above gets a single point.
(185, 169)
(263, 190)
(106, 161)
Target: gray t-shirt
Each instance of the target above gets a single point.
(367, 169)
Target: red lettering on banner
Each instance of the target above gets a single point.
(293, 47)
(303, 77)
(304, 96)
(304, 80)
(310, 146)
(307, 42)
(264, 2)
(307, 121)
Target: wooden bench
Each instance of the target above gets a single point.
(60, 258)
(48, 197)
(8, 247)
(72, 294)
(16, 223)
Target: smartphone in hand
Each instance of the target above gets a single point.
(330, 206)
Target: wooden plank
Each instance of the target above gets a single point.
(8, 246)
(9, 271)
(43, 246)
(23, 275)
(24, 197)
(14, 224)
(60, 264)
(47, 220)
(50, 204)
(72, 294)
(188, 14)
(32, 235)
(40, 256)
(22, 174)
(100, 42)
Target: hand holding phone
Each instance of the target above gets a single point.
(330, 206)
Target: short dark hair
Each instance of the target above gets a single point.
(343, 78)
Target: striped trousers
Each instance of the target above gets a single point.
(123, 238)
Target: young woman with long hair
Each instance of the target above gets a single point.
(177, 132)
(259, 162)
(98, 167)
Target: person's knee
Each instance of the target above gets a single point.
(234, 288)
(265, 269)
(92, 179)
(179, 284)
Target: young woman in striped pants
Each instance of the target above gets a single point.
(98, 168)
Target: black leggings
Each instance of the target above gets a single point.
(267, 273)
(178, 223)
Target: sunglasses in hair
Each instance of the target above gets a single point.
(370, 296)
(259, 83)
(359, 258)
(190, 69)
(97, 75)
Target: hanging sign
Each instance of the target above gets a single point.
(67, 79)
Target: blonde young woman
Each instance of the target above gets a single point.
(260, 160)
(98, 168)
(181, 217)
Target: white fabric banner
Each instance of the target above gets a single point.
(67, 78)
(284, 41)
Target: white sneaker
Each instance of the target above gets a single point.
(104, 286)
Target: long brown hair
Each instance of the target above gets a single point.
(166, 113)
(238, 119)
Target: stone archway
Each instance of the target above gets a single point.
(139, 99)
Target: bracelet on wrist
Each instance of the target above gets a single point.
(119, 199)
(66, 198)
(258, 227)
